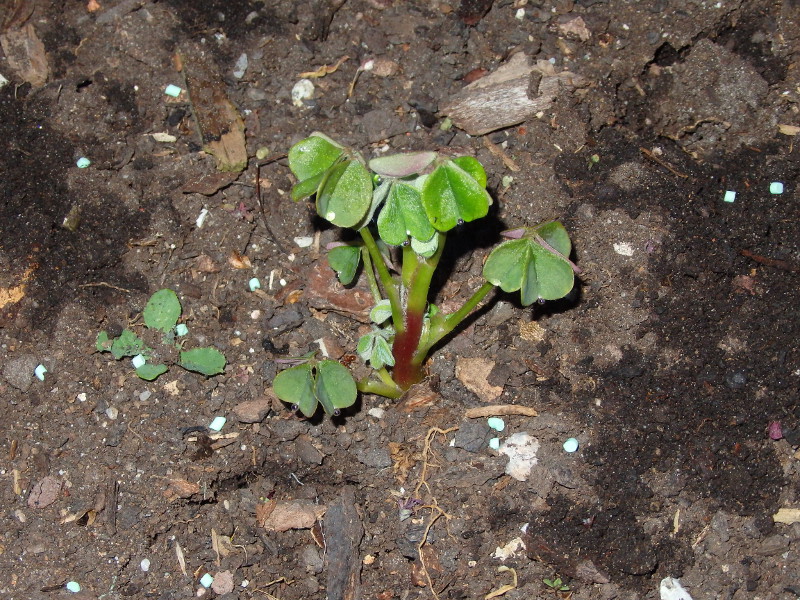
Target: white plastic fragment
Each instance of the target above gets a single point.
(181, 329)
(172, 90)
(201, 218)
(509, 550)
(254, 284)
(83, 162)
(671, 589)
(3, 82)
(206, 580)
(730, 196)
(571, 445)
(218, 423)
(304, 241)
(73, 586)
(623, 248)
(303, 90)
(145, 565)
(520, 14)
(521, 449)
(138, 361)
(496, 423)
(776, 187)
(39, 371)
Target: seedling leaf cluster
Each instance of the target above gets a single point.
(403, 207)
(161, 314)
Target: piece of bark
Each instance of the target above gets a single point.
(343, 534)
(25, 55)
(221, 126)
(502, 98)
(292, 514)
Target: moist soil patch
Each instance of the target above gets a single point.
(667, 148)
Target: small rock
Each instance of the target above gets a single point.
(774, 544)
(586, 572)
(253, 411)
(285, 319)
(286, 429)
(307, 452)
(377, 458)
(223, 583)
(472, 435)
(312, 560)
(19, 371)
(736, 379)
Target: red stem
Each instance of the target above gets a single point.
(405, 372)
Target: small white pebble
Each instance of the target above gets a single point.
(81, 397)
(623, 248)
(304, 241)
(520, 14)
(376, 412)
(145, 395)
(201, 218)
(112, 413)
(145, 565)
(83, 162)
(571, 445)
(303, 90)
(255, 315)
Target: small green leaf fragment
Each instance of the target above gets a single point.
(335, 386)
(313, 156)
(381, 312)
(150, 372)
(382, 354)
(345, 260)
(307, 187)
(403, 216)
(127, 344)
(296, 386)
(207, 361)
(103, 342)
(425, 249)
(162, 311)
(344, 197)
(402, 165)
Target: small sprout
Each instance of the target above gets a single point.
(593, 160)
(83, 162)
(571, 445)
(556, 584)
(172, 90)
(217, 424)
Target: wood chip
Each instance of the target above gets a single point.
(500, 410)
(473, 373)
(787, 516)
(343, 534)
(25, 55)
(293, 514)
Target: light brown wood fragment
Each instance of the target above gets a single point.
(500, 410)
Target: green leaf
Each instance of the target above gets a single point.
(381, 312)
(307, 187)
(162, 311)
(128, 344)
(403, 215)
(555, 234)
(473, 167)
(345, 260)
(426, 249)
(313, 156)
(335, 387)
(150, 372)
(103, 342)
(402, 165)
(381, 354)
(296, 386)
(451, 196)
(208, 361)
(345, 195)
(525, 265)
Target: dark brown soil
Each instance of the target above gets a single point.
(669, 361)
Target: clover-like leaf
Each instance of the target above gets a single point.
(402, 165)
(426, 249)
(533, 268)
(103, 342)
(295, 386)
(381, 312)
(335, 387)
(345, 260)
(403, 215)
(472, 166)
(313, 156)
(128, 344)
(207, 361)
(150, 372)
(162, 311)
(451, 195)
(345, 195)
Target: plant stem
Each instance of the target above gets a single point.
(385, 387)
(407, 371)
(373, 283)
(443, 325)
(389, 284)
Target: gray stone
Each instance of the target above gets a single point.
(19, 371)
(307, 452)
(374, 457)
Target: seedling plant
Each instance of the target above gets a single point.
(161, 315)
(403, 207)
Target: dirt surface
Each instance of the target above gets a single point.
(674, 362)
